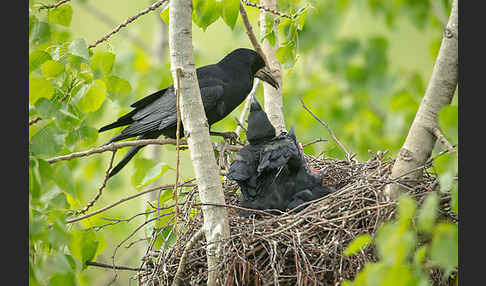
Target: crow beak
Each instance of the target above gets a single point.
(266, 76)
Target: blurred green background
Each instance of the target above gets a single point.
(362, 67)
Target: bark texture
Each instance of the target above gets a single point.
(421, 137)
(196, 131)
(272, 98)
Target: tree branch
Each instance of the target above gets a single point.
(194, 120)
(348, 155)
(165, 187)
(262, 7)
(105, 18)
(251, 34)
(114, 146)
(422, 136)
(246, 107)
(33, 121)
(103, 265)
(55, 5)
(182, 261)
(438, 134)
(126, 22)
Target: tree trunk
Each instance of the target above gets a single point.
(216, 226)
(272, 97)
(421, 139)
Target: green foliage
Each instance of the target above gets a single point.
(357, 244)
(405, 257)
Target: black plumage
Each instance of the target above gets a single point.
(223, 87)
(271, 170)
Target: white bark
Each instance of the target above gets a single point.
(196, 131)
(420, 140)
(273, 98)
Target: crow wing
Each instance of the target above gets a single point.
(278, 153)
(158, 111)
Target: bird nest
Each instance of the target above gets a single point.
(291, 249)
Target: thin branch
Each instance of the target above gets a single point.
(165, 187)
(251, 34)
(175, 196)
(103, 265)
(114, 146)
(438, 134)
(35, 120)
(273, 11)
(105, 18)
(348, 155)
(126, 22)
(182, 262)
(100, 189)
(314, 141)
(55, 5)
(246, 107)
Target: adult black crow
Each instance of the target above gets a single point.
(271, 170)
(223, 86)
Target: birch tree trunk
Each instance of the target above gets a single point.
(421, 137)
(216, 226)
(272, 97)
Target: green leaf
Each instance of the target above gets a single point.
(206, 12)
(164, 15)
(428, 213)
(360, 242)
(60, 279)
(94, 97)
(454, 199)
(39, 87)
(47, 141)
(103, 61)
(51, 68)
(40, 33)
(419, 255)
(301, 16)
(448, 122)
(153, 174)
(64, 179)
(141, 166)
(406, 209)
(118, 86)
(79, 48)
(61, 15)
(444, 246)
(84, 245)
(286, 54)
(36, 59)
(230, 11)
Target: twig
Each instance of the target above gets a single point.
(103, 265)
(273, 11)
(55, 5)
(35, 120)
(246, 108)
(165, 187)
(348, 155)
(126, 22)
(314, 141)
(100, 189)
(251, 34)
(182, 262)
(438, 134)
(112, 147)
(179, 74)
(105, 18)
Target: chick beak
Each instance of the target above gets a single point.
(267, 76)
